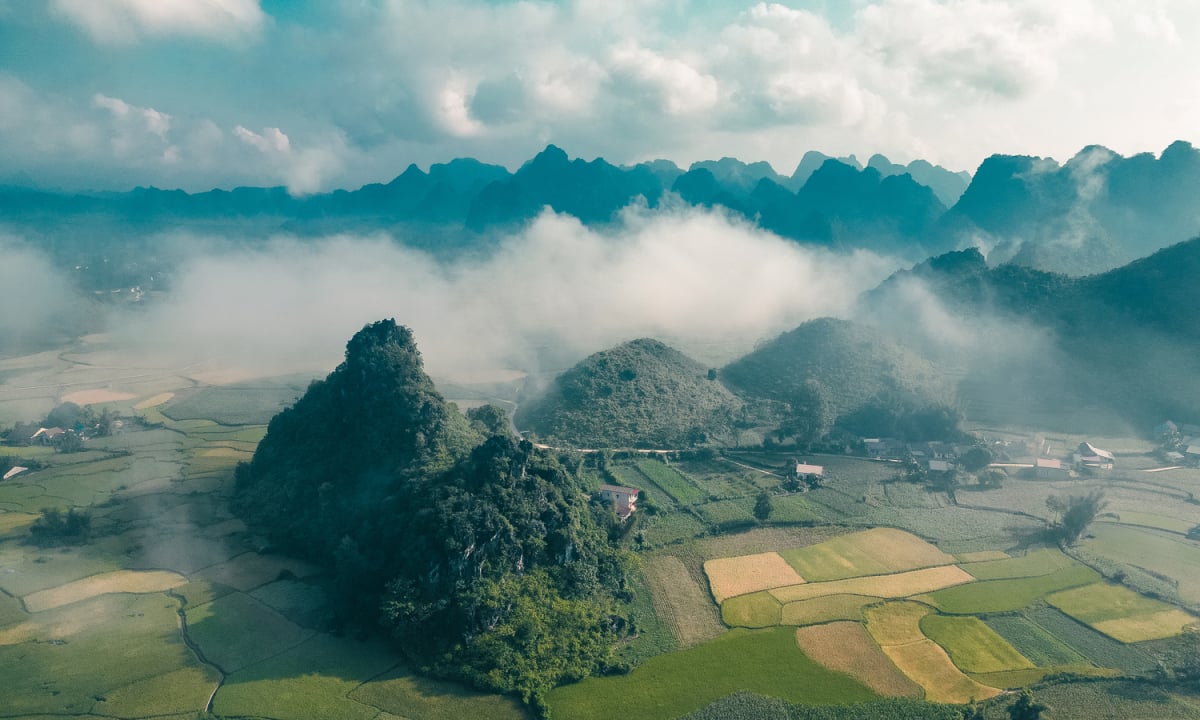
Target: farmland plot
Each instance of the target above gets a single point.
(846, 647)
(1121, 613)
(897, 585)
(680, 488)
(973, 646)
(729, 577)
(871, 552)
(1006, 595)
(826, 609)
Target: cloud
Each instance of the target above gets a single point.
(35, 298)
(120, 22)
(546, 297)
(305, 170)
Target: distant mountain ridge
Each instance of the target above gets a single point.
(1095, 212)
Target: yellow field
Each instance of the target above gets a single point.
(927, 664)
(825, 609)
(897, 623)
(898, 585)
(120, 581)
(93, 397)
(15, 521)
(846, 647)
(872, 552)
(1165, 624)
(982, 556)
(154, 401)
(733, 576)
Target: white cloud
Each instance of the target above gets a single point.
(305, 170)
(272, 140)
(126, 21)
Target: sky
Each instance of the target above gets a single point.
(314, 95)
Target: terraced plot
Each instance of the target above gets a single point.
(825, 609)
(898, 585)
(972, 645)
(1007, 595)
(120, 581)
(1121, 613)
(873, 552)
(730, 577)
(847, 647)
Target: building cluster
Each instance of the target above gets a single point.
(1179, 444)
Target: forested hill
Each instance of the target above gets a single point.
(835, 371)
(1125, 339)
(471, 553)
(639, 394)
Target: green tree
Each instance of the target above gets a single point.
(976, 459)
(1025, 707)
(1078, 511)
(489, 420)
(763, 506)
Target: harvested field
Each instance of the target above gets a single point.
(756, 610)
(1156, 626)
(826, 609)
(927, 664)
(896, 623)
(899, 585)
(730, 577)
(847, 647)
(1158, 552)
(1031, 564)
(872, 552)
(973, 646)
(680, 601)
(154, 401)
(93, 397)
(120, 581)
(988, 596)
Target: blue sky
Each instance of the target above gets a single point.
(315, 95)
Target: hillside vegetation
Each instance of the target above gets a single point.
(484, 560)
(835, 371)
(639, 394)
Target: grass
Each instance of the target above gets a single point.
(982, 556)
(680, 488)
(794, 509)
(896, 623)
(654, 635)
(88, 649)
(680, 601)
(1153, 520)
(401, 694)
(233, 405)
(1163, 554)
(1095, 646)
(826, 609)
(756, 610)
(846, 647)
(728, 513)
(670, 527)
(871, 552)
(311, 681)
(186, 690)
(973, 646)
(1033, 641)
(236, 631)
(119, 581)
(762, 661)
(1007, 595)
(729, 577)
(1032, 564)
(897, 585)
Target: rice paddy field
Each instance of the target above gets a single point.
(168, 611)
(860, 590)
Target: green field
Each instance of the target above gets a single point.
(1161, 553)
(667, 686)
(826, 609)
(1033, 641)
(1032, 564)
(989, 596)
(756, 610)
(235, 404)
(871, 552)
(1121, 613)
(972, 645)
(1096, 647)
(680, 488)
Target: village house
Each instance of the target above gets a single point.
(1090, 457)
(883, 447)
(47, 436)
(1192, 453)
(1050, 469)
(623, 499)
(804, 470)
(940, 466)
